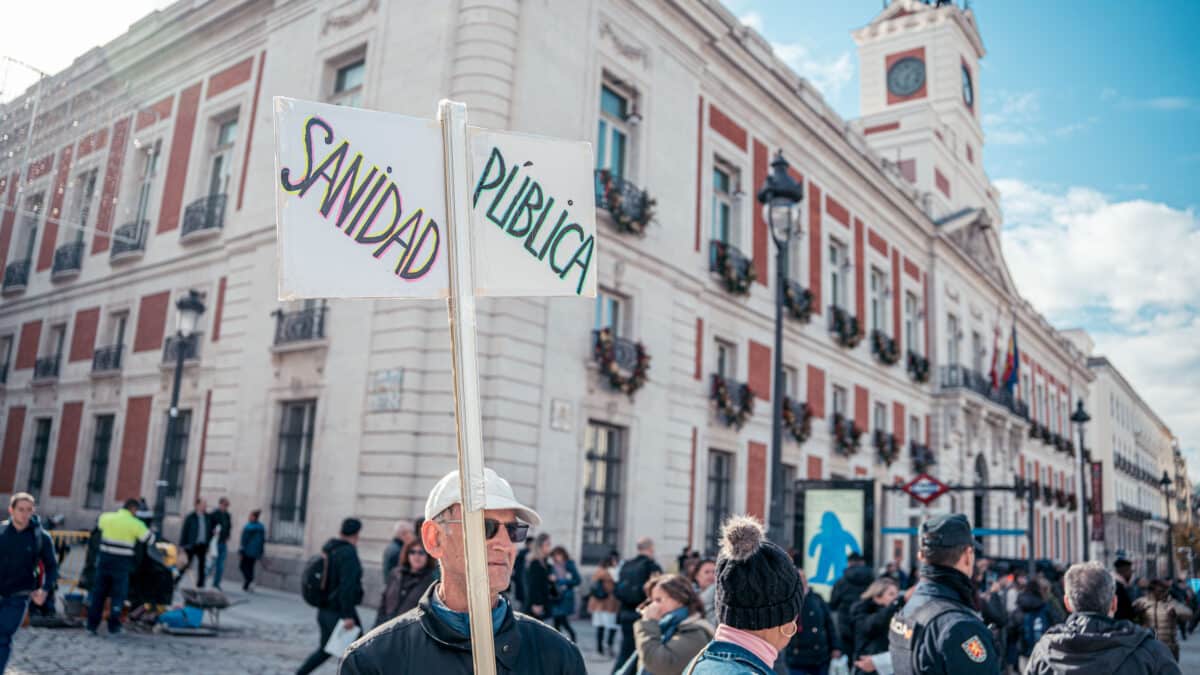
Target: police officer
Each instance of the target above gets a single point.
(938, 632)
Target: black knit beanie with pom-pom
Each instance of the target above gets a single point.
(757, 584)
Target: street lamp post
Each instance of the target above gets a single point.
(1081, 418)
(1165, 483)
(187, 315)
(780, 196)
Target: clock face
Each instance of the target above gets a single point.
(906, 76)
(968, 90)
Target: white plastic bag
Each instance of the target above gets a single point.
(840, 666)
(341, 638)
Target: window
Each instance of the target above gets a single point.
(290, 500)
(791, 382)
(98, 470)
(82, 208)
(221, 162)
(348, 83)
(881, 417)
(608, 312)
(726, 360)
(175, 458)
(145, 186)
(117, 323)
(839, 400)
(1057, 539)
(910, 323)
(839, 266)
(720, 481)
(953, 339)
(29, 225)
(914, 428)
(614, 132)
(601, 492)
(58, 335)
(878, 303)
(37, 463)
(723, 181)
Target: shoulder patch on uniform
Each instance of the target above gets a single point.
(975, 649)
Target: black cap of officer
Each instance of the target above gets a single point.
(948, 531)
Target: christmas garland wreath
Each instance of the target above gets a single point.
(604, 353)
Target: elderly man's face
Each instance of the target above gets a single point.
(444, 541)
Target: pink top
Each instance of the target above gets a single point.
(757, 646)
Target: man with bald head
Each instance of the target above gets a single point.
(435, 637)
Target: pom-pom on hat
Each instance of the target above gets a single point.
(757, 584)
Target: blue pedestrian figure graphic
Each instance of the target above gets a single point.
(833, 542)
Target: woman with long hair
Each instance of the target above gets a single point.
(540, 590)
(704, 579)
(872, 615)
(672, 629)
(407, 582)
(602, 604)
(565, 577)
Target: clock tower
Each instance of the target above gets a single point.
(919, 94)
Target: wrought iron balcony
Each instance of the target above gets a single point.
(624, 351)
(205, 215)
(46, 367)
(299, 326)
(189, 345)
(846, 434)
(735, 401)
(884, 347)
(797, 419)
(732, 266)
(68, 260)
(107, 359)
(624, 363)
(1132, 512)
(129, 240)
(960, 377)
(798, 301)
(886, 446)
(845, 327)
(922, 457)
(918, 367)
(631, 207)
(16, 276)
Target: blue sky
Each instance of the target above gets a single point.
(1091, 113)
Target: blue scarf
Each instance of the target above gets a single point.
(460, 622)
(668, 625)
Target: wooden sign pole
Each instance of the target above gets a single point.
(453, 117)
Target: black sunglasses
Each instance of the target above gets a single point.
(517, 531)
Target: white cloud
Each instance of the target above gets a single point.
(1170, 103)
(753, 20)
(1122, 269)
(829, 76)
(1012, 118)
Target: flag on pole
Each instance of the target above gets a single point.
(994, 373)
(1012, 362)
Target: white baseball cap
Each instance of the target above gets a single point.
(498, 495)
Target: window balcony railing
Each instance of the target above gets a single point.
(1132, 512)
(886, 447)
(884, 347)
(203, 216)
(631, 207)
(735, 269)
(129, 241)
(798, 301)
(922, 457)
(797, 419)
(918, 367)
(623, 362)
(46, 367)
(846, 435)
(961, 377)
(68, 260)
(189, 345)
(845, 327)
(1047, 494)
(301, 325)
(16, 276)
(735, 401)
(107, 359)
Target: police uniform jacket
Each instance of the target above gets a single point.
(938, 632)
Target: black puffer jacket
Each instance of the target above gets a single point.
(816, 636)
(1100, 645)
(871, 621)
(845, 593)
(419, 642)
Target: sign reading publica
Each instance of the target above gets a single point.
(361, 205)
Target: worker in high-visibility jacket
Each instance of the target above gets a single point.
(120, 532)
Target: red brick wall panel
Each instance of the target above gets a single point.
(91, 143)
(50, 231)
(877, 242)
(111, 186)
(837, 211)
(231, 77)
(896, 294)
(880, 128)
(891, 59)
(27, 346)
(181, 151)
(756, 480)
(860, 274)
(83, 337)
(262, 62)
(133, 447)
(9, 216)
(815, 247)
(862, 407)
(908, 170)
(911, 269)
(151, 321)
(900, 423)
(156, 113)
(816, 391)
(220, 311)
(39, 168)
(943, 183)
(12, 447)
(68, 444)
(760, 225)
(724, 125)
(929, 430)
(814, 468)
(760, 370)
(699, 348)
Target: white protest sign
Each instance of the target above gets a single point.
(361, 199)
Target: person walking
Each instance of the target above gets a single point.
(1125, 594)
(1159, 612)
(704, 579)
(194, 539)
(517, 584)
(846, 591)
(412, 576)
(120, 532)
(565, 576)
(222, 528)
(631, 593)
(250, 548)
(435, 637)
(759, 597)
(540, 591)
(938, 632)
(402, 534)
(343, 589)
(872, 615)
(672, 628)
(602, 604)
(28, 568)
(816, 642)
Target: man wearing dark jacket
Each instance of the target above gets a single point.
(1124, 570)
(24, 547)
(197, 532)
(630, 592)
(343, 592)
(1092, 641)
(846, 591)
(221, 519)
(435, 637)
(816, 642)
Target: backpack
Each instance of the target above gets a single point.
(1033, 627)
(629, 590)
(314, 582)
